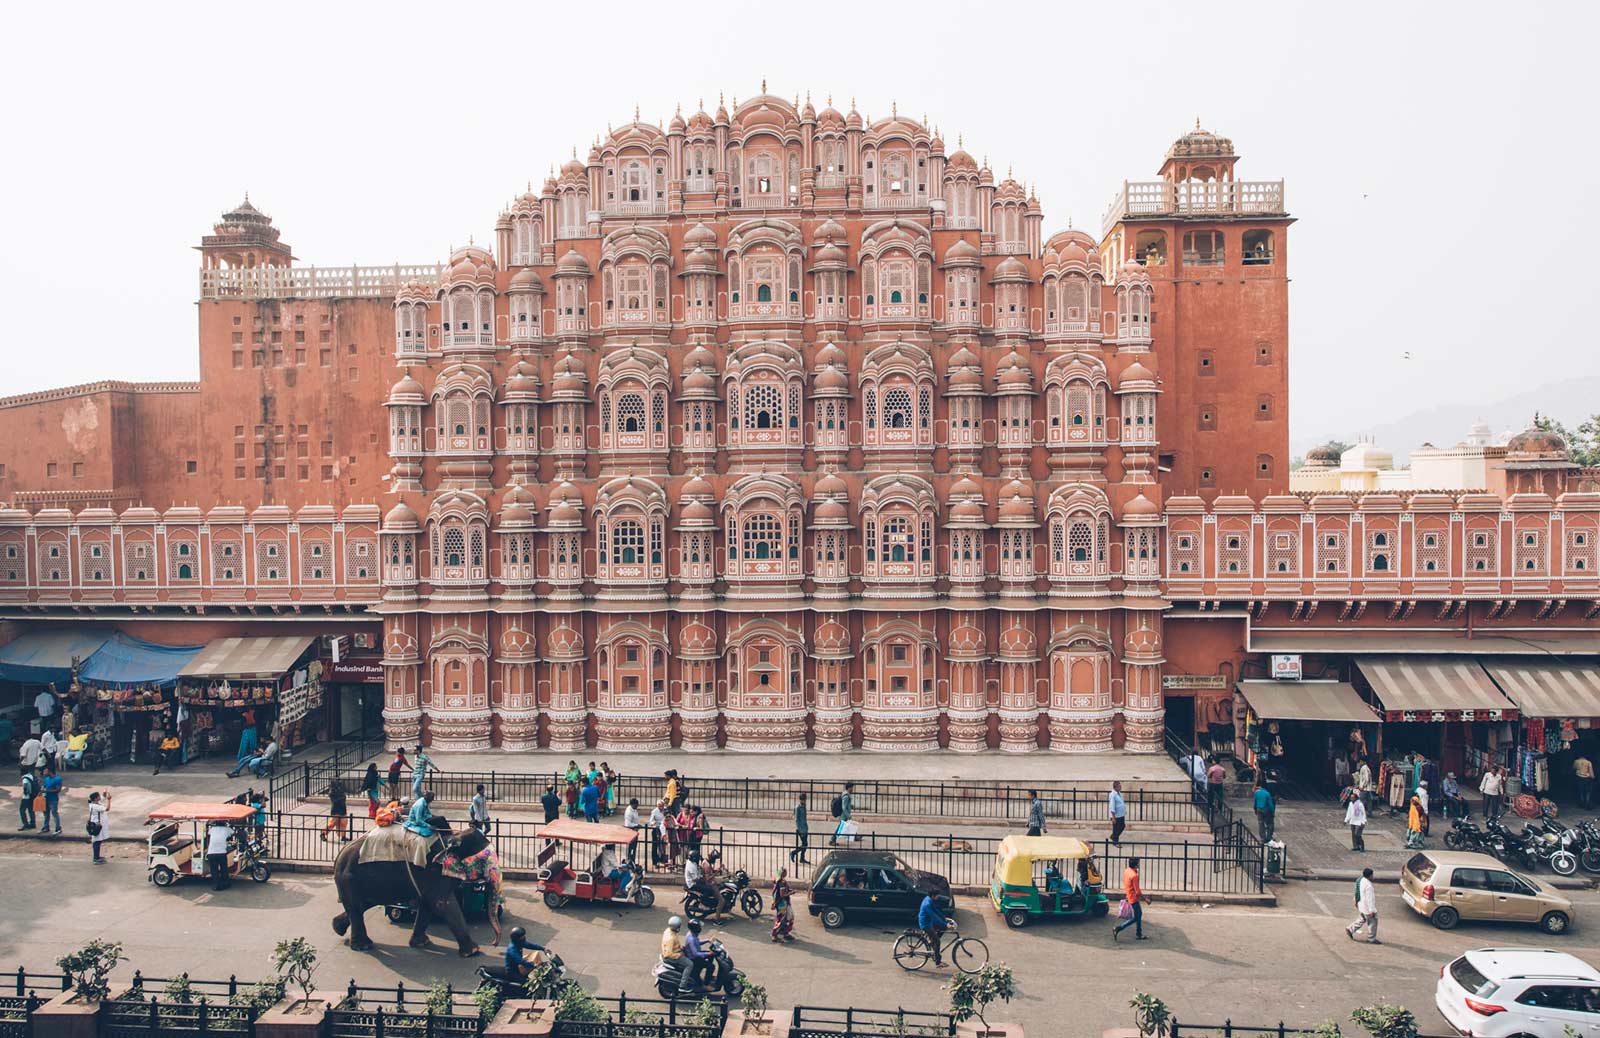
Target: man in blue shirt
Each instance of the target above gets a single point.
(420, 768)
(933, 925)
(1119, 812)
(518, 964)
(589, 802)
(700, 961)
(420, 819)
(1266, 812)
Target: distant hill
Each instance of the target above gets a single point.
(1569, 402)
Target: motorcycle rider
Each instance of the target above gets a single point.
(701, 961)
(519, 964)
(694, 879)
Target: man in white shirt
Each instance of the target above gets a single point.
(28, 756)
(217, 838)
(1355, 816)
(609, 867)
(1491, 787)
(1367, 907)
(44, 704)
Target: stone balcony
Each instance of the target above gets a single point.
(1210, 198)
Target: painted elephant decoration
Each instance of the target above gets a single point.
(363, 885)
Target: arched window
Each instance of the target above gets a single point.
(185, 571)
(630, 413)
(627, 543)
(897, 408)
(763, 293)
(763, 536)
(455, 546)
(763, 406)
(1080, 541)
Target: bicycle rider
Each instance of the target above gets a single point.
(933, 924)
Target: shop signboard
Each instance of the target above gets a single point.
(1214, 682)
(1286, 668)
(356, 671)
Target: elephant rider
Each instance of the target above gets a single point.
(420, 819)
(518, 964)
(700, 958)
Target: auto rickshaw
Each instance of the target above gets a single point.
(1045, 876)
(569, 864)
(177, 850)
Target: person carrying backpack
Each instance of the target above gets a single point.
(840, 809)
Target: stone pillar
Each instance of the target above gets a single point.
(1143, 712)
(293, 1018)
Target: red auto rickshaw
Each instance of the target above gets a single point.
(569, 864)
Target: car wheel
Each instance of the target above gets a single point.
(1555, 923)
(1016, 919)
(163, 876)
(832, 917)
(552, 900)
(1445, 917)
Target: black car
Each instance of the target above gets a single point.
(873, 886)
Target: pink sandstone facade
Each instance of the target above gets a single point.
(770, 429)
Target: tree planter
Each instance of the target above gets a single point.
(68, 1015)
(523, 1018)
(293, 1018)
(768, 1024)
(974, 1029)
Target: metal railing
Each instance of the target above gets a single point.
(156, 1006)
(1063, 802)
(1229, 1029)
(400, 1012)
(646, 1018)
(828, 1022)
(1229, 865)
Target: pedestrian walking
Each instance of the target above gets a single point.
(338, 814)
(611, 777)
(395, 767)
(1355, 816)
(840, 809)
(28, 755)
(30, 791)
(802, 833)
(217, 838)
(1491, 786)
(52, 786)
(1583, 771)
(1366, 909)
(551, 804)
(478, 810)
(782, 908)
(1423, 798)
(370, 786)
(1266, 812)
(1035, 814)
(1132, 911)
(48, 744)
(98, 825)
(1414, 824)
(420, 769)
(1118, 809)
(1216, 782)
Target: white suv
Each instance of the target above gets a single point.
(1506, 992)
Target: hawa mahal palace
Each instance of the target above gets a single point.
(768, 429)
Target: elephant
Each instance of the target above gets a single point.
(363, 885)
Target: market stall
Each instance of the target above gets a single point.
(36, 661)
(124, 695)
(1440, 710)
(1305, 733)
(1560, 703)
(273, 684)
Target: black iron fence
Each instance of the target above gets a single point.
(1063, 802)
(1229, 1029)
(402, 1012)
(826, 1022)
(649, 1018)
(1231, 865)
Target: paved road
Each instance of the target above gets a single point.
(1255, 964)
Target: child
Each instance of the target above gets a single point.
(572, 799)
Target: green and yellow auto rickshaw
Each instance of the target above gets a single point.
(1045, 876)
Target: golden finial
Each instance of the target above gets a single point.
(961, 140)
(1197, 123)
(830, 99)
(894, 109)
(702, 104)
(636, 111)
(719, 97)
(808, 97)
(574, 151)
(763, 84)
(677, 109)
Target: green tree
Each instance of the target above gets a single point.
(1386, 1021)
(971, 993)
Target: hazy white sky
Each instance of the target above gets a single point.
(1440, 158)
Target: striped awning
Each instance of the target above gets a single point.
(248, 657)
(1549, 688)
(1306, 701)
(1429, 688)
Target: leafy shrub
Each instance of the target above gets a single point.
(295, 961)
(1386, 1021)
(972, 993)
(1150, 1015)
(89, 968)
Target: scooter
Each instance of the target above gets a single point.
(511, 984)
(724, 979)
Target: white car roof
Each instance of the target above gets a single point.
(1501, 964)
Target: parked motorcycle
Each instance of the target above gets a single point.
(735, 889)
(724, 978)
(1464, 835)
(1556, 844)
(1514, 848)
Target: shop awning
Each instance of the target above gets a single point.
(1416, 688)
(1306, 701)
(247, 657)
(1432, 643)
(124, 660)
(42, 657)
(1547, 688)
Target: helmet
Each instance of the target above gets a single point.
(694, 855)
(694, 926)
(674, 924)
(518, 935)
(716, 856)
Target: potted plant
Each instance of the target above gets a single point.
(1150, 1015)
(75, 1012)
(971, 994)
(751, 1017)
(294, 961)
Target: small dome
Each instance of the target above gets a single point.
(961, 249)
(526, 280)
(400, 517)
(830, 484)
(698, 486)
(1016, 375)
(1018, 507)
(1534, 440)
(967, 510)
(573, 263)
(565, 513)
(831, 377)
(676, 124)
(516, 512)
(406, 388)
(966, 377)
(831, 230)
(1140, 506)
(700, 234)
(830, 354)
(699, 381)
(1011, 269)
(1135, 372)
(1326, 454)
(697, 512)
(1132, 271)
(965, 486)
(1074, 253)
(961, 159)
(413, 291)
(524, 380)
(830, 253)
(832, 510)
(963, 358)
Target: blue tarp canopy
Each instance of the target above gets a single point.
(125, 660)
(42, 657)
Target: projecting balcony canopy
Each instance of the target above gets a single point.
(1307, 701)
(1549, 688)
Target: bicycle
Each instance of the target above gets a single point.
(912, 951)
